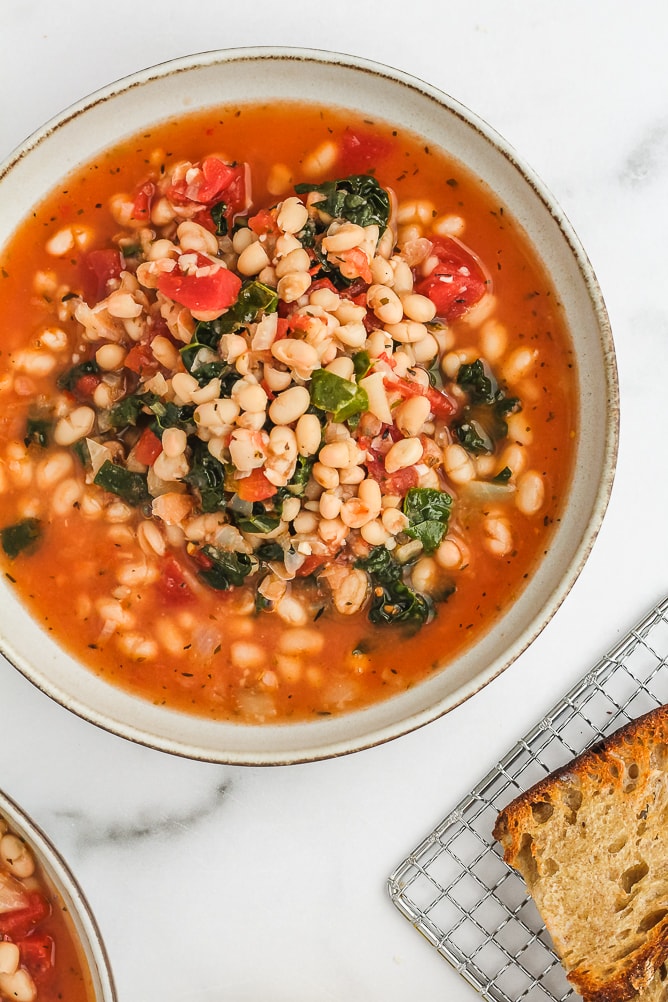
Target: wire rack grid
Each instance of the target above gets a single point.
(456, 889)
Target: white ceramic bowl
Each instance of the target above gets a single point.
(245, 75)
(55, 869)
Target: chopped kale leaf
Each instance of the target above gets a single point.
(259, 520)
(483, 419)
(358, 198)
(38, 431)
(428, 511)
(224, 569)
(338, 396)
(126, 484)
(207, 476)
(20, 536)
(392, 600)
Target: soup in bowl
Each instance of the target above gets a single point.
(50, 947)
(309, 406)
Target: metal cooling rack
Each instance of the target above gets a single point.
(456, 889)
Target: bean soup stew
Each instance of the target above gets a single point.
(287, 412)
(40, 960)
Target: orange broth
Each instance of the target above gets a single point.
(359, 663)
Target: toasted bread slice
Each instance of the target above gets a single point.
(591, 842)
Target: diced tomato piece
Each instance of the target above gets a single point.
(392, 483)
(141, 208)
(205, 219)
(281, 328)
(312, 563)
(85, 386)
(216, 178)
(235, 196)
(371, 322)
(255, 487)
(358, 262)
(263, 222)
(140, 359)
(37, 953)
(457, 282)
(400, 482)
(299, 322)
(147, 448)
(405, 387)
(18, 923)
(384, 357)
(441, 404)
(202, 293)
(361, 150)
(323, 283)
(96, 269)
(172, 582)
(212, 182)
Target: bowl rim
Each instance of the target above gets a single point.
(407, 723)
(82, 918)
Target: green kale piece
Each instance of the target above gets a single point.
(21, 536)
(128, 485)
(225, 568)
(392, 600)
(428, 511)
(358, 198)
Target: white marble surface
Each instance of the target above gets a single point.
(211, 882)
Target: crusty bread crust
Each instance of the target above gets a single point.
(591, 842)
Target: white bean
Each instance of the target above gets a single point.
(16, 856)
(297, 260)
(425, 574)
(530, 492)
(406, 452)
(457, 464)
(252, 259)
(411, 414)
(418, 308)
(308, 432)
(18, 986)
(110, 356)
(497, 536)
(301, 640)
(9, 957)
(293, 285)
(345, 237)
(292, 215)
(351, 593)
(385, 304)
(290, 405)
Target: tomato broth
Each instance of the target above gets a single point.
(314, 584)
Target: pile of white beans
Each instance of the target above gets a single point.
(266, 422)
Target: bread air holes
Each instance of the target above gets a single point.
(633, 875)
(652, 919)
(617, 845)
(526, 862)
(542, 811)
(632, 773)
(571, 797)
(625, 951)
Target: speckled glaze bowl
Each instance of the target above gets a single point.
(246, 75)
(84, 928)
